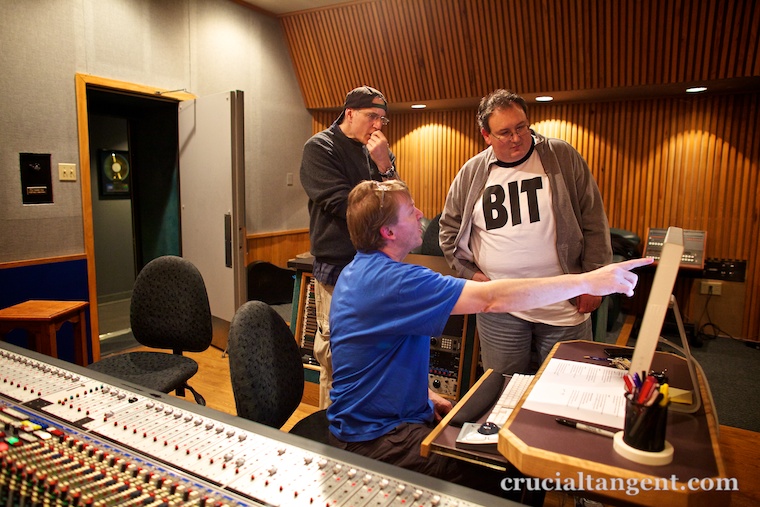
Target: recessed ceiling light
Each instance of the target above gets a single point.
(544, 98)
(696, 89)
(418, 106)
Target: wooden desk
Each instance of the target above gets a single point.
(539, 447)
(42, 319)
(442, 440)
(741, 456)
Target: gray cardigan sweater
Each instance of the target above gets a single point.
(583, 234)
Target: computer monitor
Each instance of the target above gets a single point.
(659, 301)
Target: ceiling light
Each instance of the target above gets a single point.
(418, 106)
(544, 98)
(696, 89)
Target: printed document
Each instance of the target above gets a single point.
(580, 391)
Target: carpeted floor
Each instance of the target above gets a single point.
(732, 368)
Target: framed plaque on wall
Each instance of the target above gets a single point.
(114, 174)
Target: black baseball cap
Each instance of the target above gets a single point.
(362, 97)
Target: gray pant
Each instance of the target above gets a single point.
(506, 341)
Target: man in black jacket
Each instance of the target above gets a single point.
(351, 150)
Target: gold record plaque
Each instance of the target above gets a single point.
(114, 174)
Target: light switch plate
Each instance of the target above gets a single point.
(67, 172)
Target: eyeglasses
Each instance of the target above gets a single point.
(373, 117)
(508, 135)
(382, 188)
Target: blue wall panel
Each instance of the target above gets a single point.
(65, 281)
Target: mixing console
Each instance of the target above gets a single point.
(75, 437)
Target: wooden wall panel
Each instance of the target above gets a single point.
(425, 50)
(277, 247)
(686, 161)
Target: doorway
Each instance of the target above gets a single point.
(135, 210)
(123, 232)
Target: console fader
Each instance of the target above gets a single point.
(70, 436)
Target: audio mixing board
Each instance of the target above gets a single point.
(71, 436)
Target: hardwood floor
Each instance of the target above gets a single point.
(213, 382)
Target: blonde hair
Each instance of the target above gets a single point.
(371, 205)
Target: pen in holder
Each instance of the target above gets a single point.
(646, 420)
(645, 426)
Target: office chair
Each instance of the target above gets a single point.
(267, 371)
(430, 243)
(424, 224)
(169, 310)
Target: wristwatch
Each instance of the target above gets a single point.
(390, 173)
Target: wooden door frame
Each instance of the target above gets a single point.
(82, 81)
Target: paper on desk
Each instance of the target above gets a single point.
(580, 391)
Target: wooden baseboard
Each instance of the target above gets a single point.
(277, 247)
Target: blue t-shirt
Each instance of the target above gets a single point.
(382, 316)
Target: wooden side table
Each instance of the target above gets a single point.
(42, 319)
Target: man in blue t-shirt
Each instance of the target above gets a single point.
(383, 314)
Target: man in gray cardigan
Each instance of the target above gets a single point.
(526, 206)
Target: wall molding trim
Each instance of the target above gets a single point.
(277, 247)
(42, 260)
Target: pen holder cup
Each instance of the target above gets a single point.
(643, 437)
(645, 426)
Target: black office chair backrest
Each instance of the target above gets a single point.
(430, 244)
(170, 307)
(265, 365)
(424, 224)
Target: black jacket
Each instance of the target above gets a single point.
(331, 166)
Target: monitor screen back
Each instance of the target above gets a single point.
(658, 301)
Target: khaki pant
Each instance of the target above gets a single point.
(322, 352)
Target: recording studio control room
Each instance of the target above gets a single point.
(366, 253)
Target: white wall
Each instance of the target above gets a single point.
(203, 46)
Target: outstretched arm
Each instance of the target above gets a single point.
(514, 295)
